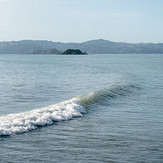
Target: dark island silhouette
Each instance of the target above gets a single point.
(73, 52)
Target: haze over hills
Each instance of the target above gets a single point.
(91, 47)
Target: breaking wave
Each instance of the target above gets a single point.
(22, 122)
(26, 121)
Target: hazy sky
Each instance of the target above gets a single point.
(82, 20)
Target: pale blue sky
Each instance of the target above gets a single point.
(82, 20)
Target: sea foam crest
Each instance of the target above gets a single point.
(26, 121)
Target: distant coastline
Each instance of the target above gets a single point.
(99, 46)
(55, 51)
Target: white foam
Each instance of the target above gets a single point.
(26, 121)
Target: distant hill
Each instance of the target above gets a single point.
(48, 51)
(90, 47)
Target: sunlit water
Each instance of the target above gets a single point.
(94, 108)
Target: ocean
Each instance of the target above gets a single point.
(87, 109)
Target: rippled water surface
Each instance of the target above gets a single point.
(94, 108)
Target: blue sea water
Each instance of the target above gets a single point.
(93, 108)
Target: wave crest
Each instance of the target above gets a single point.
(105, 95)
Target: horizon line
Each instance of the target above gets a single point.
(80, 42)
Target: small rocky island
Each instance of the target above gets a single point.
(73, 52)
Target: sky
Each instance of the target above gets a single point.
(82, 20)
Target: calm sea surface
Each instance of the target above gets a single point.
(87, 109)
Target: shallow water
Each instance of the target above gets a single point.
(94, 108)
